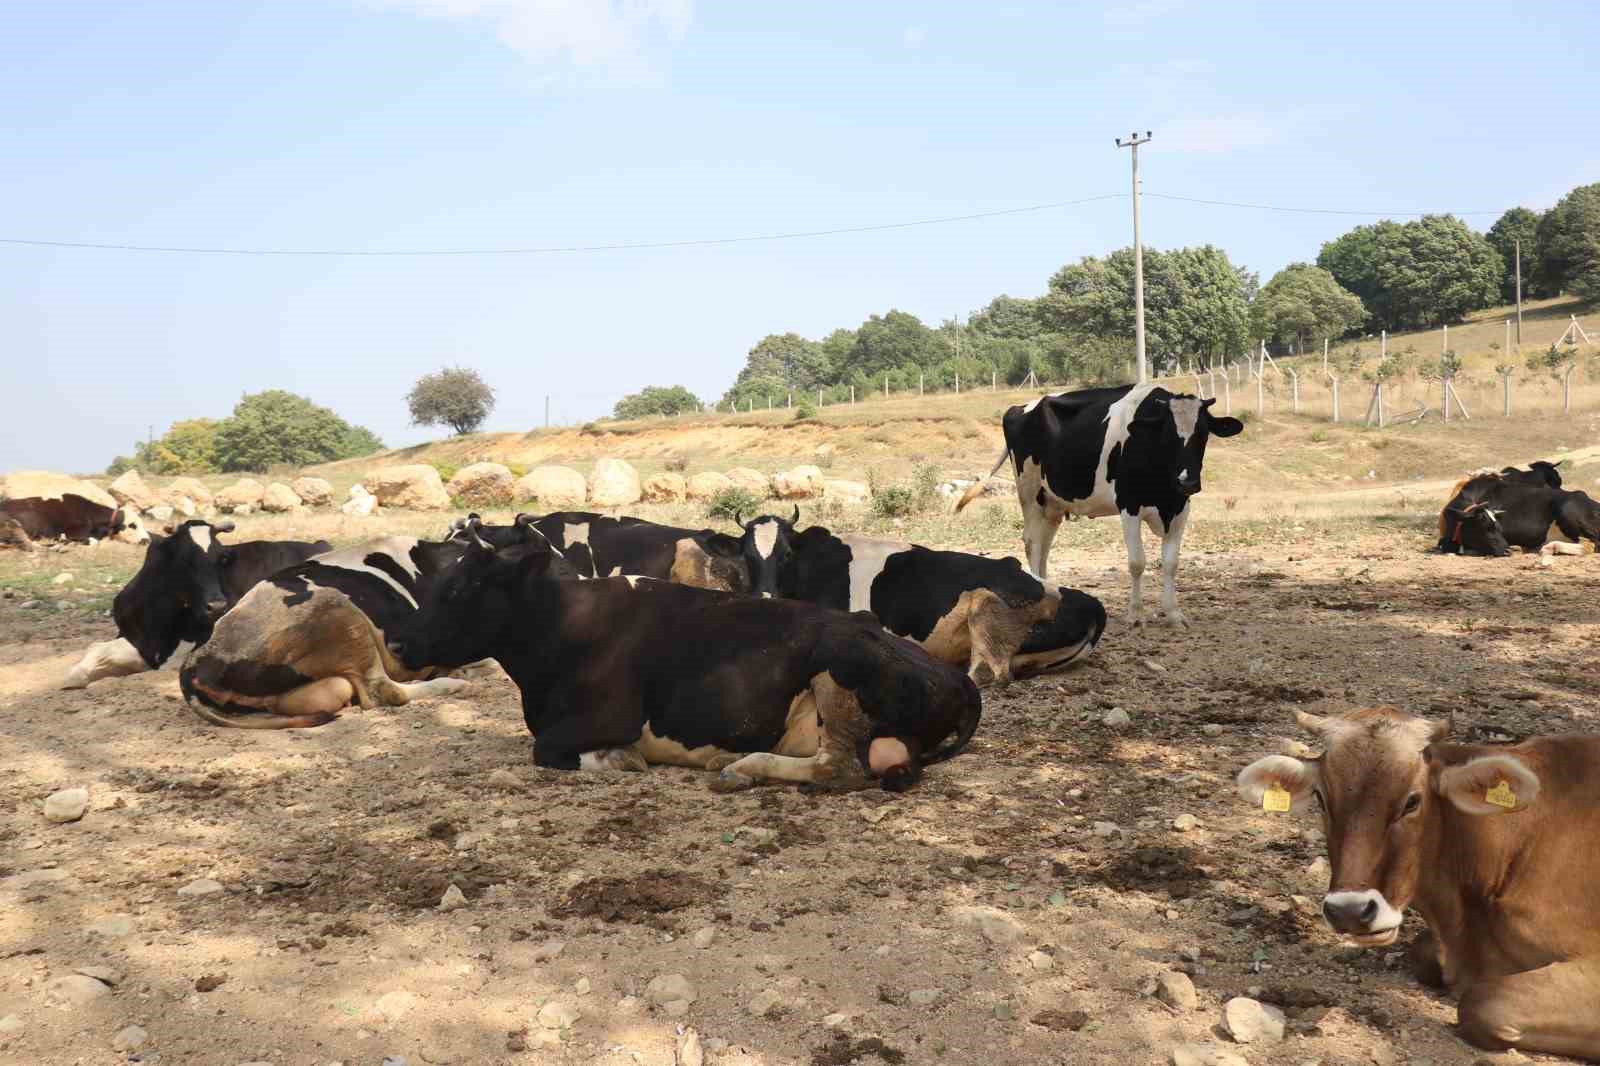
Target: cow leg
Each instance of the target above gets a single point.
(1131, 536)
(1171, 544)
(392, 693)
(1038, 531)
(325, 697)
(110, 658)
(842, 724)
(613, 759)
(995, 632)
(1548, 1009)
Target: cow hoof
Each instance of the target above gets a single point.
(76, 679)
(730, 781)
(1177, 620)
(723, 761)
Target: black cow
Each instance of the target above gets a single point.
(69, 516)
(1539, 472)
(968, 610)
(188, 579)
(1134, 451)
(1490, 514)
(305, 643)
(619, 673)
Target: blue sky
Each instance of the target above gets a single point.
(449, 124)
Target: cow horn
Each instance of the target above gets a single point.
(1312, 723)
(795, 520)
(738, 517)
(1208, 402)
(473, 522)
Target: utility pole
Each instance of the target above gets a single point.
(1133, 142)
(1517, 244)
(547, 410)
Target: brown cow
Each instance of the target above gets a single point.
(1493, 845)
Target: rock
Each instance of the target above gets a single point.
(1061, 1021)
(1249, 1021)
(689, 1051)
(388, 1060)
(1318, 873)
(754, 482)
(431, 1053)
(188, 488)
(703, 938)
(313, 491)
(130, 1039)
(10, 1025)
(101, 973)
(1041, 961)
(246, 492)
(360, 504)
(835, 1020)
(558, 1014)
(66, 577)
(1205, 1055)
(503, 778)
(163, 513)
(415, 486)
(1211, 729)
(845, 491)
(452, 900)
(45, 485)
(280, 499)
(1117, 718)
(665, 488)
(1106, 829)
(76, 989)
(483, 483)
(996, 926)
(613, 483)
(670, 989)
(203, 887)
(394, 1006)
(554, 488)
(130, 491)
(33, 878)
(766, 1004)
(801, 483)
(1176, 990)
(582, 986)
(924, 997)
(550, 949)
(113, 926)
(1185, 822)
(706, 485)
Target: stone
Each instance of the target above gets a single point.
(11, 1025)
(558, 1014)
(360, 504)
(101, 973)
(163, 513)
(924, 997)
(33, 878)
(76, 989)
(205, 886)
(1205, 1055)
(689, 1052)
(1212, 729)
(766, 1004)
(582, 986)
(846, 491)
(703, 938)
(189, 488)
(802, 483)
(706, 485)
(130, 1039)
(280, 499)
(483, 483)
(67, 805)
(835, 1020)
(1117, 718)
(1106, 829)
(754, 482)
(503, 778)
(1176, 990)
(394, 1006)
(415, 486)
(66, 577)
(665, 488)
(452, 900)
(313, 491)
(246, 492)
(46, 485)
(670, 988)
(1249, 1021)
(554, 488)
(614, 483)
(1041, 961)
(112, 926)
(438, 1056)
(1318, 874)
(550, 949)
(996, 926)
(1185, 822)
(129, 490)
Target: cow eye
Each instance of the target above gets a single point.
(1413, 803)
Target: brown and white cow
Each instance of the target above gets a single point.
(1493, 845)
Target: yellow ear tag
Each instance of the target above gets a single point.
(1501, 796)
(1276, 799)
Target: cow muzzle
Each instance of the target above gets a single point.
(1364, 916)
(1188, 485)
(215, 609)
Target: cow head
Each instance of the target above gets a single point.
(1378, 785)
(128, 527)
(1478, 529)
(177, 594)
(1071, 635)
(766, 546)
(1175, 429)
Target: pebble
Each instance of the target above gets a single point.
(922, 997)
(1211, 729)
(503, 778)
(672, 992)
(996, 926)
(1185, 822)
(77, 989)
(835, 1020)
(67, 805)
(452, 900)
(765, 1004)
(10, 1025)
(1106, 829)
(27, 605)
(559, 1015)
(1116, 718)
(689, 1051)
(436, 1055)
(549, 950)
(395, 1060)
(395, 1005)
(203, 887)
(1249, 1021)
(112, 926)
(1176, 990)
(1041, 961)
(63, 578)
(1205, 1055)
(1154, 667)
(703, 938)
(130, 1039)
(583, 987)
(1318, 872)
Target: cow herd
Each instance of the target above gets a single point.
(797, 654)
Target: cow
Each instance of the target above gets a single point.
(300, 646)
(188, 579)
(1491, 514)
(620, 673)
(987, 615)
(71, 517)
(1491, 844)
(1133, 450)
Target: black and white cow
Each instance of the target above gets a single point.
(188, 579)
(68, 516)
(1491, 514)
(968, 610)
(1133, 451)
(310, 640)
(620, 673)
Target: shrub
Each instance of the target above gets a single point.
(676, 463)
(279, 428)
(120, 465)
(896, 501)
(804, 411)
(446, 470)
(732, 502)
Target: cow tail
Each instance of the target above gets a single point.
(971, 713)
(976, 489)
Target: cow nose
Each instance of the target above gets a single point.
(1351, 915)
(1190, 485)
(215, 609)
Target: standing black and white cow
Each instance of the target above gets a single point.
(1134, 451)
(188, 579)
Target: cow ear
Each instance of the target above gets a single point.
(1226, 426)
(1277, 774)
(1492, 784)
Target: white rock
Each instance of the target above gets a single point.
(996, 925)
(1185, 822)
(1176, 990)
(452, 900)
(766, 1003)
(395, 1005)
(704, 485)
(548, 950)
(923, 997)
(203, 887)
(1249, 1021)
(76, 989)
(1041, 961)
(554, 488)
(67, 805)
(703, 938)
(1116, 718)
(582, 987)
(63, 578)
(558, 1014)
(10, 1025)
(415, 486)
(1106, 829)
(835, 1020)
(359, 506)
(614, 483)
(1212, 729)
(1205, 1055)
(689, 1051)
(130, 1039)
(670, 988)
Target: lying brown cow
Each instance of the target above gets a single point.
(1493, 845)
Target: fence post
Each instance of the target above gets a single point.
(1380, 405)
(1566, 390)
(1261, 394)
(1505, 388)
(1227, 392)
(852, 395)
(1334, 378)
(1294, 386)
(958, 383)
(1444, 393)
(1199, 387)
(791, 398)
(819, 397)
(919, 383)
(1383, 345)
(886, 386)
(1324, 355)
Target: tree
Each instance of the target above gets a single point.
(1417, 274)
(1301, 303)
(894, 340)
(1519, 223)
(454, 397)
(275, 428)
(779, 362)
(1353, 261)
(188, 447)
(656, 400)
(1569, 243)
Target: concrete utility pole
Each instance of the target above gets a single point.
(1133, 142)
(1517, 244)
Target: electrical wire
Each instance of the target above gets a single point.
(1306, 210)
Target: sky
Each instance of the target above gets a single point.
(469, 125)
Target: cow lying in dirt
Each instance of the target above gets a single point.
(619, 673)
(1491, 844)
(1489, 514)
(307, 642)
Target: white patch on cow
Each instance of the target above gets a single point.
(616, 571)
(201, 535)
(867, 558)
(766, 537)
(1387, 918)
(633, 580)
(1185, 415)
(575, 533)
(1031, 404)
(354, 559)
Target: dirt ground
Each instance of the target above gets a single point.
(988, 916)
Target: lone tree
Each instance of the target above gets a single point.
(454, 397)
(656, 400)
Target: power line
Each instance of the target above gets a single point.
(565, 249)
(1307, 210)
